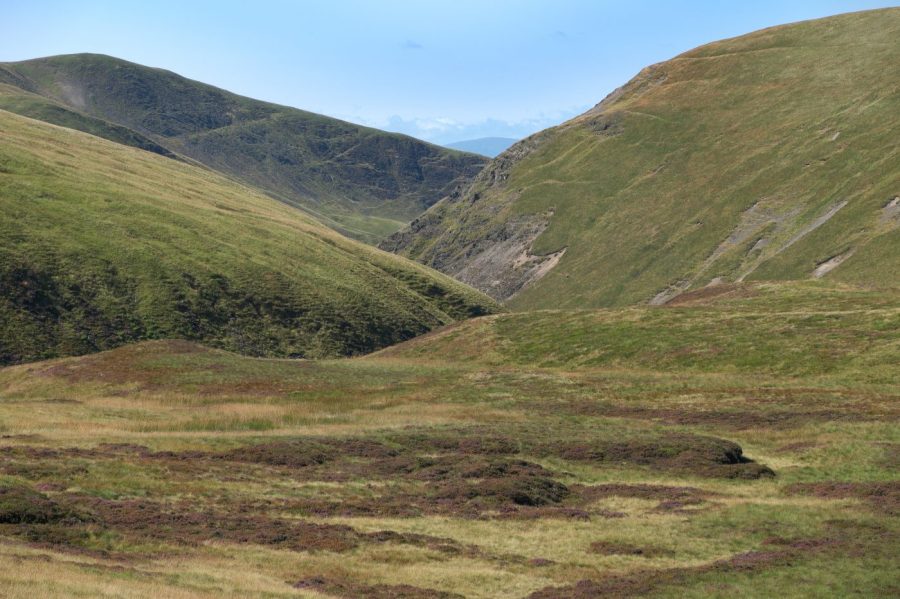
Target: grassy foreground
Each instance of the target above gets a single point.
(503, 457)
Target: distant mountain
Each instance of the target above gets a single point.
(102, 244)
(486, 146)
(769, 156)
(364, 182)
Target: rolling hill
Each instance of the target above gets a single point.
(364, 182)
(735, 444)
(768, 156)
(102, 244)
(810, 328)
(486, 146)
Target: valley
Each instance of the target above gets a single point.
(754, 158)
(248, 350)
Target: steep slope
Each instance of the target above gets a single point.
(364, 182)
(102, 244)
(769, 156)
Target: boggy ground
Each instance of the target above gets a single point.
(168, 469)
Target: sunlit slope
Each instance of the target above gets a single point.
(102, 244)
(364, 182)
(769, 156)
(742, 440)
(792, 329)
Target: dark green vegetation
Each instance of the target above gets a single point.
(502, 457)
(364, 182)
(740, 441)
(101, 244)
(769, 156)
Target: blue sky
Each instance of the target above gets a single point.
(440, 70)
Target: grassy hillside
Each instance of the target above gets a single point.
(102, 244)
(769, 156)
(364, 182)
(786, 329)
(168, 469)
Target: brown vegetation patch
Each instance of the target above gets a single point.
(525, 490)
(671, 499)
(180, 524)
(693, 454)
(478, 442)
(420, 457)
(495, 488)
(465, 467)
(881, 496)
(22, 505)
(891, 459)
(353, 590)
(712, 292)
(54, 523)
(120, 365)
(298, 453)
(619, 548)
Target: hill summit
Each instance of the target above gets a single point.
(363, 182)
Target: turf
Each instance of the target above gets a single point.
(458, 464)
(363, 182)
(770, 156)
(102, 244)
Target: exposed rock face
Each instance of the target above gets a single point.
(486, 248)
(736, 161)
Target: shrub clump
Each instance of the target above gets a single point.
(22, 505)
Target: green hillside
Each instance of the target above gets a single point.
(742, 443)
(785, 329)
(364, 182)
(769, 156)
(102, 244)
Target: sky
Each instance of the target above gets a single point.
(440, 70)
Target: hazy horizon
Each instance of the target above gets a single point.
(443, 72)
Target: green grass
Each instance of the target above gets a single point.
(741, 441)
(363, 182)
(13, 99)
(808, 329)
(672, 184)
(176, 470)
(101, 244)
